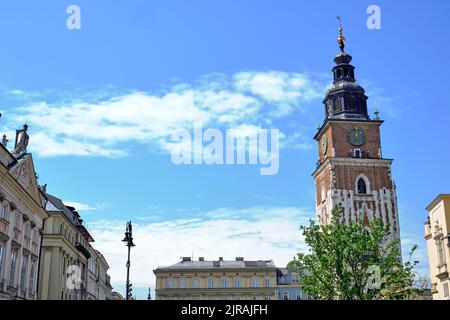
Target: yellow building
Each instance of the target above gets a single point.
(22, 215)
(217, 280)
(71, 269)
(64, 253)
(437, 234)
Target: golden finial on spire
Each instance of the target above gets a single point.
(341, 38)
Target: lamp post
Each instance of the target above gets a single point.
(129, 243)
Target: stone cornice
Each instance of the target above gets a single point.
(364, 162)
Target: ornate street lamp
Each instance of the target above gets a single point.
(129, 243)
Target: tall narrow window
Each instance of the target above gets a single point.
(440, 252)
(27, 230)
(195, 283)
(446, 293)
(336, 105)
(210, 283)
(23, 274)
(255, 283)
(237, 283)
(169, 284)
(4, 212)
(323, 191)
(351, 103)
(31, 280)
(267, 283)
(12, 273)
(182, 283)
(17, 223)
(2, 250)
(362, 188)
(224, 283)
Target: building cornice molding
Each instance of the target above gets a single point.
(363, 162)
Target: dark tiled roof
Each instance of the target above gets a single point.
(222, 264)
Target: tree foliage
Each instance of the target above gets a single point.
(347, 261)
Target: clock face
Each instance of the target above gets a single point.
(324, 144)
(356, 136)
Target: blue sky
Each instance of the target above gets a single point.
(102, 102)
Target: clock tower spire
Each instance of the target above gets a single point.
(351, 170)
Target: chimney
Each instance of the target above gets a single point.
(201, 259)
(220, 258)
(186, 259)
(239, 258)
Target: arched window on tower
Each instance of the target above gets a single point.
(351, 103)
(362, 187)
(339, 73)
(336, 105)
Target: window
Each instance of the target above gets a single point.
(182, 283)
(351, 103)
(2, 250)
(195, 283)
(237, 283)
(299, 295)
(440, 252)
(27, 230)
(18, 221)
(285, 295)
(323, 191)
(362, 188)
(336, 105)
(4, 212)
(267, 283)
(339, 73)
(255, 283)
(446, 293)
(224, 283)
(357, 153)
(23, 274)
(35, 236)
(170, 283)
(12, 274)
(210, 283)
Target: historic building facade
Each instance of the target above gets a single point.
(22, 215)
(238, 279)
(288, 287)
(437, 234)
(351, 170)
(71, 269)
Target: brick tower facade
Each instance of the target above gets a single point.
(351, 170)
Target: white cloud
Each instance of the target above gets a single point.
(79, 206)
(254, 233)
(106, 127)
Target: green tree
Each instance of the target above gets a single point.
(348, 262)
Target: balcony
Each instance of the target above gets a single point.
(434, 288)
(442, 272)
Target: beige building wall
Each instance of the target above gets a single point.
(58, 253)
(437, 232)
(67, 252)
(22, 216)
(217, 280)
